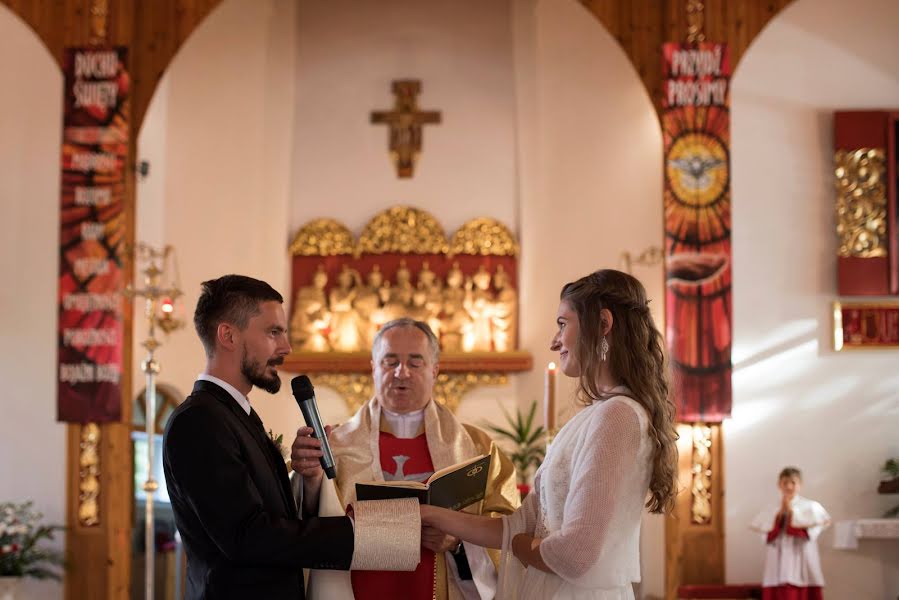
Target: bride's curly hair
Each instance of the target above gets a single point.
(637, 360)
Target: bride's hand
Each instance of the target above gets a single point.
(521, 547)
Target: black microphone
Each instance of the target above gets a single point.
(304, 394)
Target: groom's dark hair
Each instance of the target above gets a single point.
(231, 299)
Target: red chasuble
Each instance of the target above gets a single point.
(408, 460)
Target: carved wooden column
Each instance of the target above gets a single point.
(99, 458)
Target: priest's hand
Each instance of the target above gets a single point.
(436, 541)
(304, 455)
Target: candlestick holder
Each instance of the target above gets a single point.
(159, 312)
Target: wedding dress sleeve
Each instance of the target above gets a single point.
(510, 570)
(602, 459)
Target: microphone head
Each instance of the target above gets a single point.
(302, 387)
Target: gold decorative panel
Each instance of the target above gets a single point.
(405, 230)
(323, 237)
(451, 387)
(695, 21)
(354, 388)
(701, 511)
(99, 15)
(861, 208)
(484, 237)
(89, 476)
(402, 267)
(357, 388)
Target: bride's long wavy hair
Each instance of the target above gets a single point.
(637, 360)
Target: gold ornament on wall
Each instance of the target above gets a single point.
(484, 237)
(89, 476)
(695, 21)
(701, 489)
(354, 388)
(404, 230)
(449, 388)
(99, 19)
(322, 237)
(861, 207)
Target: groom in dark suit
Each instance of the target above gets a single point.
(227, 482)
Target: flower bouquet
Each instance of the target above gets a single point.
(21, 531)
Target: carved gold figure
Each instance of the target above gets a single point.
(311, 316)
(418, 309)
(479, 306)
(345, 334)
(368, 305)
(456, 322)
(433, 304)
(400, 297)
(504, 317)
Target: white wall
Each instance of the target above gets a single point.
(218, 136)
(796, 401)
(32, 443)
(347, 54)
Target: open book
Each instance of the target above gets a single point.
(454, 487)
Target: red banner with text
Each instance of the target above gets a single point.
(696, 133)
(92, 234)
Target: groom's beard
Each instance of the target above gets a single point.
(257, 372)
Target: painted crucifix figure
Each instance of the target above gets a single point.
(405, 122)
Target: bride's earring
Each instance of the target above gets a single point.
(603, 349)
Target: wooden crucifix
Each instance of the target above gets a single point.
(405, 122)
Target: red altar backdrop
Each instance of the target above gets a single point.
(696, 133)
(92, 234)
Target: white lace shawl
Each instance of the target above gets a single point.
(586, 506)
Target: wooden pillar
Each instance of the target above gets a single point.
(99, 507)
(694, 532)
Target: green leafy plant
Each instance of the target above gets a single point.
(278, 441)
(21, 531)
(528, 440)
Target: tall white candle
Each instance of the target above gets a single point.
(549, 398)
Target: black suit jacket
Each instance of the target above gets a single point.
(232, 502)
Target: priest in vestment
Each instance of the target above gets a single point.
(403, 434)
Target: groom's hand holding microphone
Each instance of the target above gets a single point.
(310, 454)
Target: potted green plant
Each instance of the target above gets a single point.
(530, 448)
(21, 555)
(891, 485)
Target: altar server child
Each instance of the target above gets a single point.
(792, 565)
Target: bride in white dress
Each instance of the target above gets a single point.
(577, 534)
